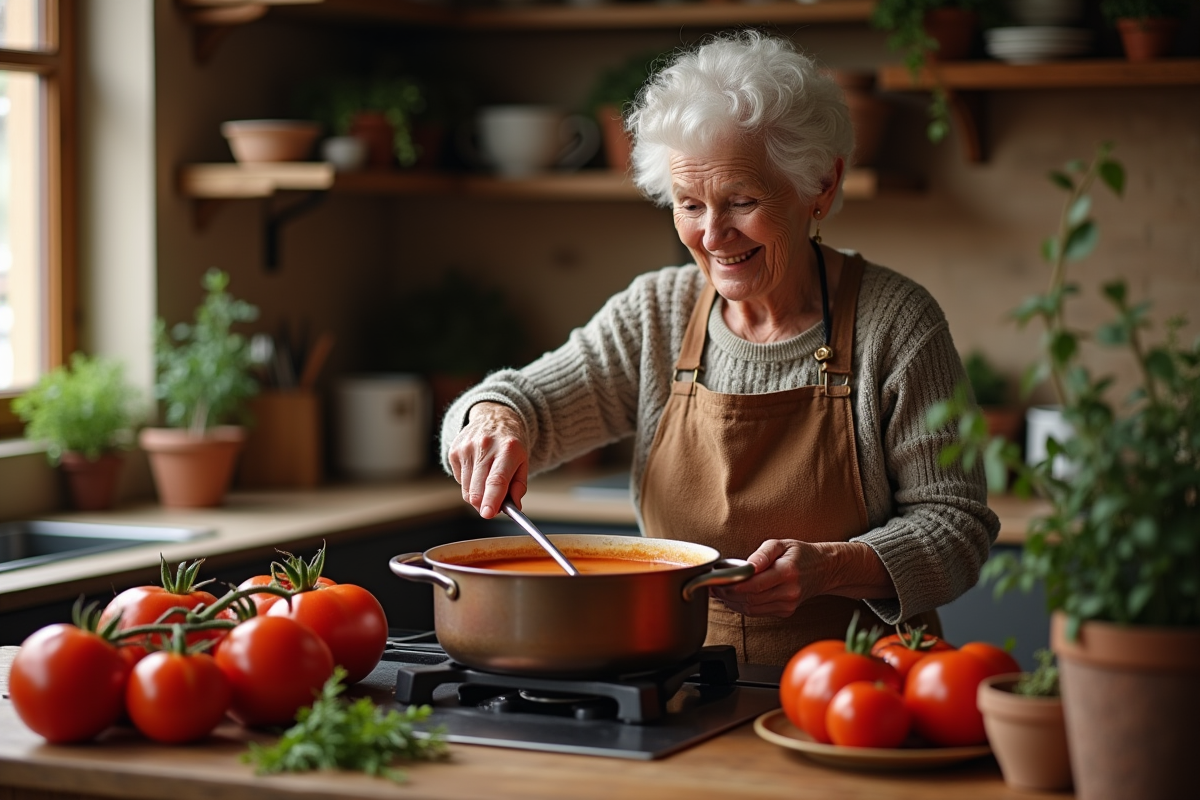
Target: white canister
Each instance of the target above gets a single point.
(1042, 423)
(383, 426)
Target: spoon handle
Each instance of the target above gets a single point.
(516, 515)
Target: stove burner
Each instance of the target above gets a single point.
(551, 698)
(640, 698)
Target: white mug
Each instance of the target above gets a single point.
(520, 140)
(383, 425)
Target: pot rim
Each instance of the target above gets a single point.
(571, 544)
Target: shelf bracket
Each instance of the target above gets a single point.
(275, 219)
(968, 111)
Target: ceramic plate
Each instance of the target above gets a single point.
(775, 727)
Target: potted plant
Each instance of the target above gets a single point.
(1119, 551)
(84, 412)
(1023, 717)
(204, 378)
(926, 31)
(1147, 27)
(614, 90)
(991, 389)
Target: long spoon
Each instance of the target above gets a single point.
(515, 514)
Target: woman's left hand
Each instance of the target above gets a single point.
(789, 572)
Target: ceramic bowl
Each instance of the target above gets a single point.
(260, 141)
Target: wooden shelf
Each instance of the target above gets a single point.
(617, 16)
(210, 182)
(1091, 74)
(965, 83)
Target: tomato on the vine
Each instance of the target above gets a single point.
(903, 650)
(941, 694)
(799, 667)
(827, 679)
(67, 682)
(865, 714)
(274, 666)
(145, 605)
(999, 660)
(347, 617)
(176, 696)
(263, 600)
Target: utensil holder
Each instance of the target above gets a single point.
(284, 448)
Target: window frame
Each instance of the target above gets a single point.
(56, 63)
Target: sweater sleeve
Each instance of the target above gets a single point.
(588, 392)
(939, 530)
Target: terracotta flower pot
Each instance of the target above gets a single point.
(192, 471)
(1131, 699)
(374, 129)
(1028, 735)
(954, 30)
(617, 142)
(869, 114)
(91, 485)
(1147, 39)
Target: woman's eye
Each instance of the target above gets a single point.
(744, 203)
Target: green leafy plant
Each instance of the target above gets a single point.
(619, 85)
(1043, 681)
(358, 735)
(1114, 10)
(1120, 542)
(905, 20)
(204, 368)
(85, 406)
(989, 385)
(333, 101)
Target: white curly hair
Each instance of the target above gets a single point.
(743, 85)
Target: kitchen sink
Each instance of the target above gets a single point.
(31, 543)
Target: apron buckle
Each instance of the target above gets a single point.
(825, 378)
(695, 372)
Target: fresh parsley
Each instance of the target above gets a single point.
(360, 735)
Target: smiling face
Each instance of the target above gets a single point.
(744, 224)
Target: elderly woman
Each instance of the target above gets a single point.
(776, 389)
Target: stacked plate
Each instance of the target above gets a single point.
(1035, 43)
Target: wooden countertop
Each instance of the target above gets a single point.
(253, 524)
(738, 764)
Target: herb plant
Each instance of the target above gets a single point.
(1122, 540)
(85, 406)
(204, 368)
(358, 735)
(990, 387)
(1114, 10)
(1043, 681)
(619, 85)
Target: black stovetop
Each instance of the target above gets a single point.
(644, 716)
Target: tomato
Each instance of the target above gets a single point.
(263, 600)
(903, 650)
(68, 684)
(144, 605)
(865, 714)
(998, 659)
(274, 666)
(348, 618)
(175, 697)
(941, 694)
(799, 667)
(827, 679)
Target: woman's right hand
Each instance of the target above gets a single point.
(489, 458)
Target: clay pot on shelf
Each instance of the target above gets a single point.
(192, 471)
(954, 31)
(267, 141)
(91, 485)
(869, 113)
(617, 142)
(374, 129)
(1147, 39)
(1131, 700)
(1028, 735)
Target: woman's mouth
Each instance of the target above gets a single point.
(731, 260)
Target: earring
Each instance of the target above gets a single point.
(817, 216)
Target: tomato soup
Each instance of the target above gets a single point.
(587, 565)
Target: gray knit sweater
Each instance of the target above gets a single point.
(611, 379)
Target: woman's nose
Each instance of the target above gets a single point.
(717, 231)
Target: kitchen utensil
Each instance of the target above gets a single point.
(568, 626)
(525, 522)
(315, 360)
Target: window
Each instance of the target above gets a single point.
(37, 193)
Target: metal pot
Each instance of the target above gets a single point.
(551, 624)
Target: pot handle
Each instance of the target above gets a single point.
(404, 566)
(724, 572)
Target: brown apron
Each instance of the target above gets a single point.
(733, 470)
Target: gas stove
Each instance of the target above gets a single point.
(644, 716)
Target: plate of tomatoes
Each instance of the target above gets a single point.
(885, 702)
(775, 727)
